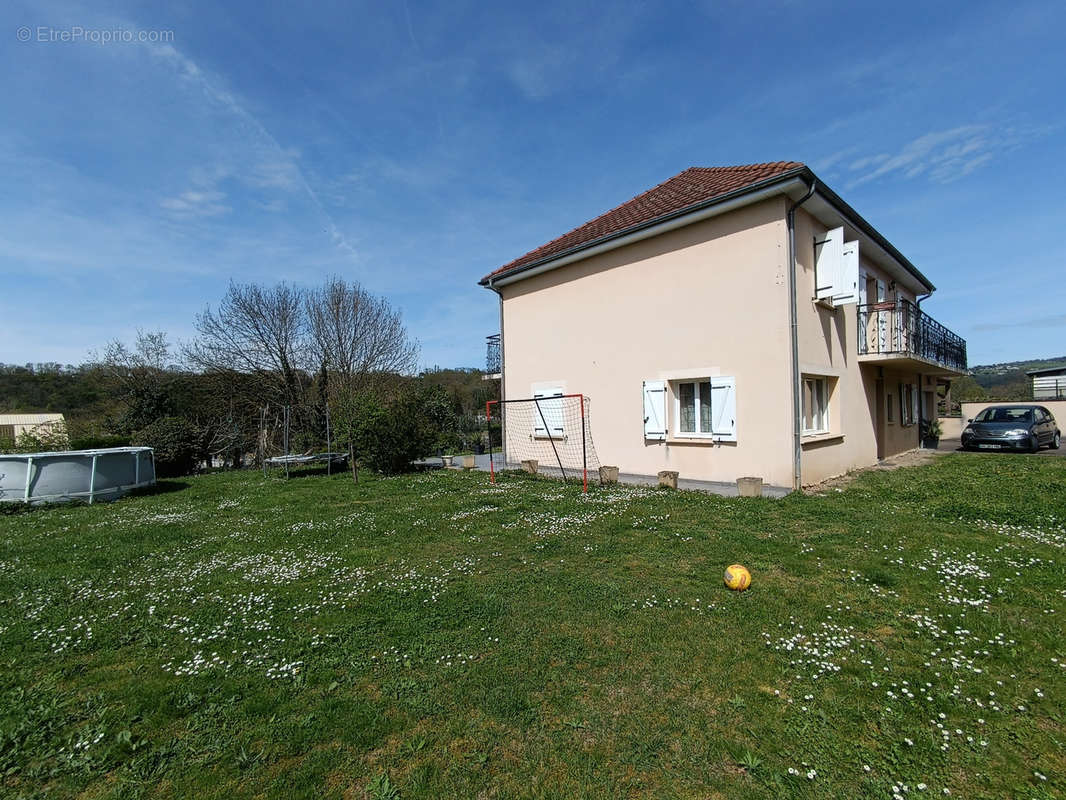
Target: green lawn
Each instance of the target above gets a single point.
(433, 636)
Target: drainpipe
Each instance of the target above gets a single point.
(793, 325)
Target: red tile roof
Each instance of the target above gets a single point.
(692, 187)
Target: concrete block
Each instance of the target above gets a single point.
(468, 462)
(749, 487)
(608, 474)
(668, 478)
(530, 466)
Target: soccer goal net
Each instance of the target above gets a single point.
(551, 430)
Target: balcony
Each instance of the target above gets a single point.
(493, 360)
(894, 333)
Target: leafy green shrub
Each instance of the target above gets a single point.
(176, 442)
(99, 442)
(388, 435)
(42, 439)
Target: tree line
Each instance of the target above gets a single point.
(331, 358)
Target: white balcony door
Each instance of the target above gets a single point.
(864, 315)
(882, 318)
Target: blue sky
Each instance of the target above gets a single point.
(415, 147)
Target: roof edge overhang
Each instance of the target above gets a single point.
(793, 183)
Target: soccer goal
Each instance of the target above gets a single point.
(552, 430)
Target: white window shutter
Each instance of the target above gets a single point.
(539, 426)
(655, 410)
(724, 408)
(828, 255)
(914, 404)
(550, 412)
(847, 289)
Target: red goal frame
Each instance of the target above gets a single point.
(536, 404)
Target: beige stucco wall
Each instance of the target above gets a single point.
(705, 300)
(951, 427)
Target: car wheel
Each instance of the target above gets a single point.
(1034, 443)
(1055, 441)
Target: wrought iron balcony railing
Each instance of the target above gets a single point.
(492, 354)
(903, 329)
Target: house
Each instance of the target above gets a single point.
(731, 321)
(14, 425)
(1048, 384)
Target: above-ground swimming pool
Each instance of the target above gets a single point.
(75, 474)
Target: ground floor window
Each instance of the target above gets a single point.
(694, 407)
(703, 408)
(815, 404)
(908, 404)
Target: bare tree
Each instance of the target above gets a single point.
(141, 375)
(357, 335)
(360, 342)
(150, 351)
(281, 336)
(260, 331)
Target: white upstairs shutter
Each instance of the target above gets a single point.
(828, 254)
(724, 408)
(655, 410)
(847, 290)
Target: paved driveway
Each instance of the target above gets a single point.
(947, 445)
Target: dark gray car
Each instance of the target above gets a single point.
(1013, 427)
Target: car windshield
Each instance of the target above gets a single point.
(1006, 414)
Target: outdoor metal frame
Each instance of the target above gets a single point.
(536, 403)
(289, 459)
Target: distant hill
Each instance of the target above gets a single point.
(991, 372)
(1005, 381)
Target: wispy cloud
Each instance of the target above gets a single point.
(942, 156)
(541, 72)
(273, 166)
(196, 204)
(1052, 321)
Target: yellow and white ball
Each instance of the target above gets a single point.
(737, 578)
